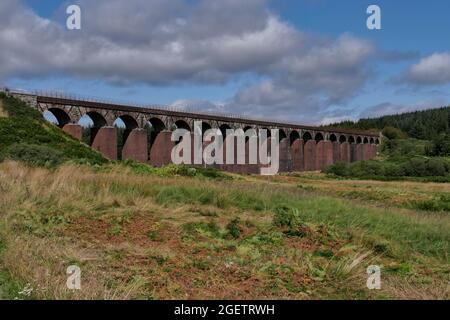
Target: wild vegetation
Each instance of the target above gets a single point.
(400, 158)
(26, 136)
(424, 125)
(144, 235)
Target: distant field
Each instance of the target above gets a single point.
(142, 235)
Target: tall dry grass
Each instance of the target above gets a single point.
(41, 209)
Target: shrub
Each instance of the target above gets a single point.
(33, 155)
(440, 146)
(286, 217)
(393, 133)
(233, 228)
(441, 203)
(339, 169)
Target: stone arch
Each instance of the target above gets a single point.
(129, 122)
(98, 134)
(333, 137)
(92, 121)
(318, 137)
(282, 135)
(205, 127)
(377, 141)
(358, 140)
(98, 120)
(351, 139)
(128, 138)
(307, 136)
(154, 126)
(365, 140)
(61, 116)
(223, 129)
(342, 138)
(294, 136)
(181, 124)
(372, 141)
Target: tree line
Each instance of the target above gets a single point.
(424, 125)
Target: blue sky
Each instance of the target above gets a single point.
(320, 62)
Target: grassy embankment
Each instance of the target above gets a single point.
(26, 136)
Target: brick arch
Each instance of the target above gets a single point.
(223, 129)
(205, 126)
(333, 137)
(294, 136)
(319, 137)
(129, 121)
(61, 116)
(97, 118)
(307, 136)
(282, 134)
(182, 124)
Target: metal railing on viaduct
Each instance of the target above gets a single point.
(147, 132)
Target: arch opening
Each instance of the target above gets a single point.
(351, 139)
(91, 122)
(281, 135)
(223, 129)
(57, 116)
(307, 136)
(366, 140)
(294, 136)
(124, 125)
(153, 127)
(372, 141)
(342, 139)
(358, 140)
(181, 124)
(318, 137)
(333, 137)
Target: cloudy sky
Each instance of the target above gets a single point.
(307, 61)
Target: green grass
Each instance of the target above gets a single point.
(25, 126)
(187, 236)
(402, 231)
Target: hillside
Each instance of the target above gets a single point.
(26, 136)
(423, 125)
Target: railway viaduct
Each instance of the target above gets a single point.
(302, 148)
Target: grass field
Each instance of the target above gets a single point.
(138, 235)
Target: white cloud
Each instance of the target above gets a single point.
(431, 70)
(172, 42)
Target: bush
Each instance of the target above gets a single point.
(393, 133)
(414, 167)
(33, 155)
(339, 169)
(233, 228)
(286, 217)
(442, 203)
(440, 146)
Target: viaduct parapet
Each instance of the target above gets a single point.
(302, 148)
